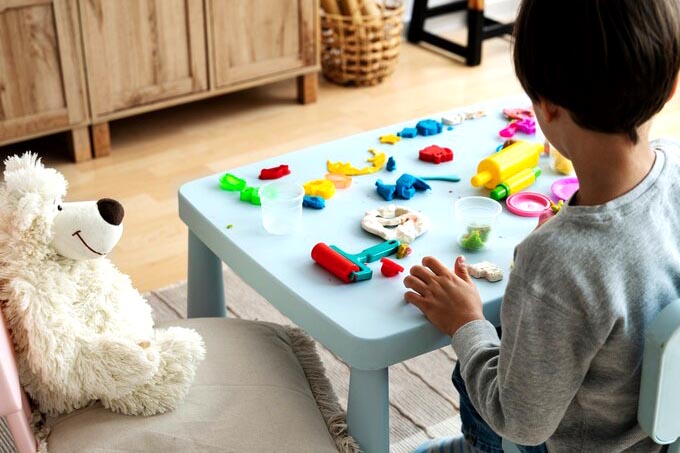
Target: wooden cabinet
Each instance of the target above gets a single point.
(141, 55)
(142, 51)
(256, 38)
(41, 73)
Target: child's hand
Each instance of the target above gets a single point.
(448, 299)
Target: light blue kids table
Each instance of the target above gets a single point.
(367, 324)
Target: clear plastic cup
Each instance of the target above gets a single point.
(475, 220)
(281, 205)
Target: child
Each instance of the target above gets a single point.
(565, 375)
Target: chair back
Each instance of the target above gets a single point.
(10, 389)
(659, 403)
(13, 402)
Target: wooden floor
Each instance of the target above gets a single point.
(153, 154)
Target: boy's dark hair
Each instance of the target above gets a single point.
(611, 63)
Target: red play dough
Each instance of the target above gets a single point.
(435, 154)
(275, 172)
(390, 268)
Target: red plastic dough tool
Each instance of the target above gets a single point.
(351, 268)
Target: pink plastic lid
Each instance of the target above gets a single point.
(527, 204)
(564, 188)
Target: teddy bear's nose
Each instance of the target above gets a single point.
(111, 211)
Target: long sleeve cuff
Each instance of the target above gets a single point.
(471, 336)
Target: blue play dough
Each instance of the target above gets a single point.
(391, 164)
(405, 192)
(429, 127)
(419, 184)
(406, 187)
(313, 202)
(408, 132)
(385, 190)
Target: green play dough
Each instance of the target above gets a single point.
(476, 238)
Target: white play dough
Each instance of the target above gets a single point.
(486, 270)
(453, 119)
(395, 222)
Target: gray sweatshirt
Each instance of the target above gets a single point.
(584, 287)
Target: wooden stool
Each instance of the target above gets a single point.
(479, 28)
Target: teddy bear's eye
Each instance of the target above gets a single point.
(59, 207)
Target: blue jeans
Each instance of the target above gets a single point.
(476, 431)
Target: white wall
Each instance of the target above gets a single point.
(498, 9)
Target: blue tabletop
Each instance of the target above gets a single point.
(367, 323)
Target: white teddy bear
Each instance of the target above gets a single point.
(80, 330)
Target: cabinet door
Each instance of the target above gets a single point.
(139, 52)
(256, 38)
(41, 75)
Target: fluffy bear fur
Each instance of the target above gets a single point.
(80, 330)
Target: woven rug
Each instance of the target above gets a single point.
(6, 445)
(423, 402)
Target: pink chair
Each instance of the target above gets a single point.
(13, 403)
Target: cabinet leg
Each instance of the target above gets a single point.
(80, 144)
(307, 86)
(101, 139)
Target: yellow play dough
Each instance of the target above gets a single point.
(560, 163)
(345, 168)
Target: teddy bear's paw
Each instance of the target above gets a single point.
(152, 353)
(180, 344)
(148, 400)
(112, 367)
(180, 350)
(162, 394)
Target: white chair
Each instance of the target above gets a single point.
(659, 405)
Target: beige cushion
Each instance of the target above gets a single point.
(250, 394)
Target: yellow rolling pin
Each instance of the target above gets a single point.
(503, 165)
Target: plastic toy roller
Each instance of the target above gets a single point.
(334, 263)
(351, 268)
(498, 167)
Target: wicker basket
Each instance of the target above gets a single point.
(361, 50)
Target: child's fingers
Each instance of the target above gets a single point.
(461, 269)
(416, 285)
(417, 300)
(423, 273)
(436, 266)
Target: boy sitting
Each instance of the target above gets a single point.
(565, 375)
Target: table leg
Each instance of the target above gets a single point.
(205, 288)
(368, 415)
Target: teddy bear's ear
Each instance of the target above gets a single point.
(26, 160)
(26, 174)
(30, 195)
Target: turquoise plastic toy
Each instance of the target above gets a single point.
(352, 268)
(449, 178)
